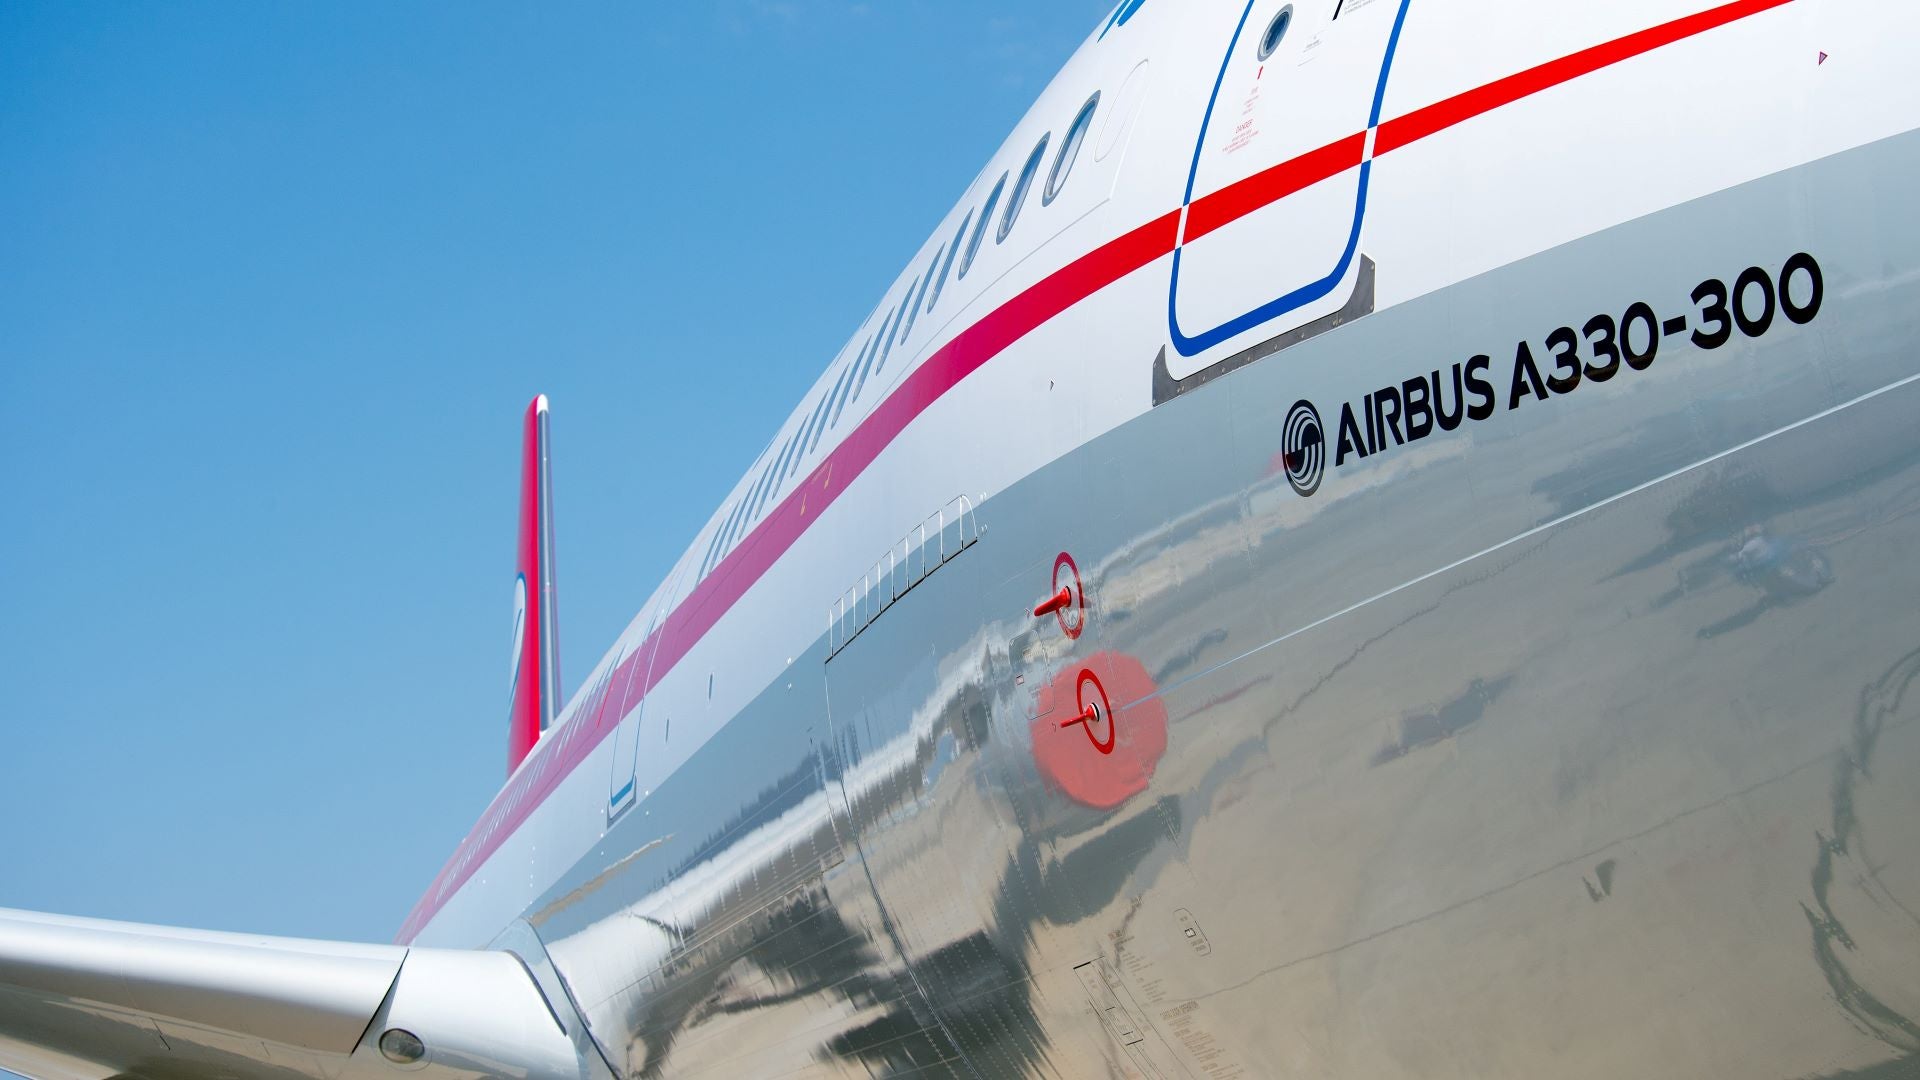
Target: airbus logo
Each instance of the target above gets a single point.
(1303, 447)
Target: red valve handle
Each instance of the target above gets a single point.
(1060, 601)
(1087, 716)
(1090, 714)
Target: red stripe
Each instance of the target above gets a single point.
(1243, 197)
(1441, 115)
(556, 757)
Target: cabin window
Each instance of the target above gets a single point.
(771, 481)
(713, 548)
(952, 250)
(885, 334)
(733, 521)
(1276, 31)
(877, 358)
(980, 227)
(744, 518)
(821, 428)
(1020, 188)
(1069, 149)
(739, 523)
(847, 384)
(767, 480)
(810, 432)
(786, 458)
(913, 304)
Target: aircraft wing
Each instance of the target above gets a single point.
(87, 999)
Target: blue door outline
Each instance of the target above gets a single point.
(1306, 294)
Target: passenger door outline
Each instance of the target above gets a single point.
(1303, 294)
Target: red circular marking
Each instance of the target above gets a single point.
(1134, 736)
(1094, 708)
(1079, 606)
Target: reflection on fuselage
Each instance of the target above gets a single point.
(1441, 794)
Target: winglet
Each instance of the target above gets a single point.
(536, 637)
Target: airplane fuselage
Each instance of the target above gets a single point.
(1464, 459)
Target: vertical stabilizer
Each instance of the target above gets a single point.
(536, 638)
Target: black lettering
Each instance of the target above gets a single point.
(1447, 421)
(1601, 333)
(1478, 385)
(1389, 418)
(1801, 314)
(1566, 361)
(1413, 394)
(1351, 441)
(1641, 312)
(1711, 295)
(1373, 429)
(1524, 371)
(1751, 324)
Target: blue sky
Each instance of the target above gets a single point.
(275, 284)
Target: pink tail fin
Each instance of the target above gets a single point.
(536, 638)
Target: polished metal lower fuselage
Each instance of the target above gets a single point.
(1578, 741)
